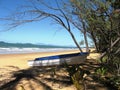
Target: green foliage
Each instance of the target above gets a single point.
(82, 42)
(104, 59)
(76, 75)
(78, 82)
(101, 71)
(115, 81)
(102, 18)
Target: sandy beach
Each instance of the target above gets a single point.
(20, 60)
(15, 74)
(11, 64)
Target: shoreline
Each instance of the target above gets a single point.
(32, 50)
(59, 51)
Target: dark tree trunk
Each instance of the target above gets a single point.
(95, 42)
(75, 41)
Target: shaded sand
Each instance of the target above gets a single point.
(16, 75)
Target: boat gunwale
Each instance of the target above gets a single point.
(53, 57)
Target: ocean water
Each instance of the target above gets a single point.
(31, 50)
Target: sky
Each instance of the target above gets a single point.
(41, 32)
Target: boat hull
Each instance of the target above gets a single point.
(69, 59)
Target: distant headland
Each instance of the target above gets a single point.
(30, 45)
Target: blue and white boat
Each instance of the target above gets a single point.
(70, 59)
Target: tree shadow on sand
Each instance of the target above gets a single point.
(38, 78)
(36, 75)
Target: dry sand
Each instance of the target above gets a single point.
(20, 60)
(15, 74)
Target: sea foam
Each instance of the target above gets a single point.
(30, 50)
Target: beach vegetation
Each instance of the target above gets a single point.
(101, 71)
(76, 76)
(81, 42)
(102, 21)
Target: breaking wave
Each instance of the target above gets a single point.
(30, 50)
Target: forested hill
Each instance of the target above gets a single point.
(28, 45)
